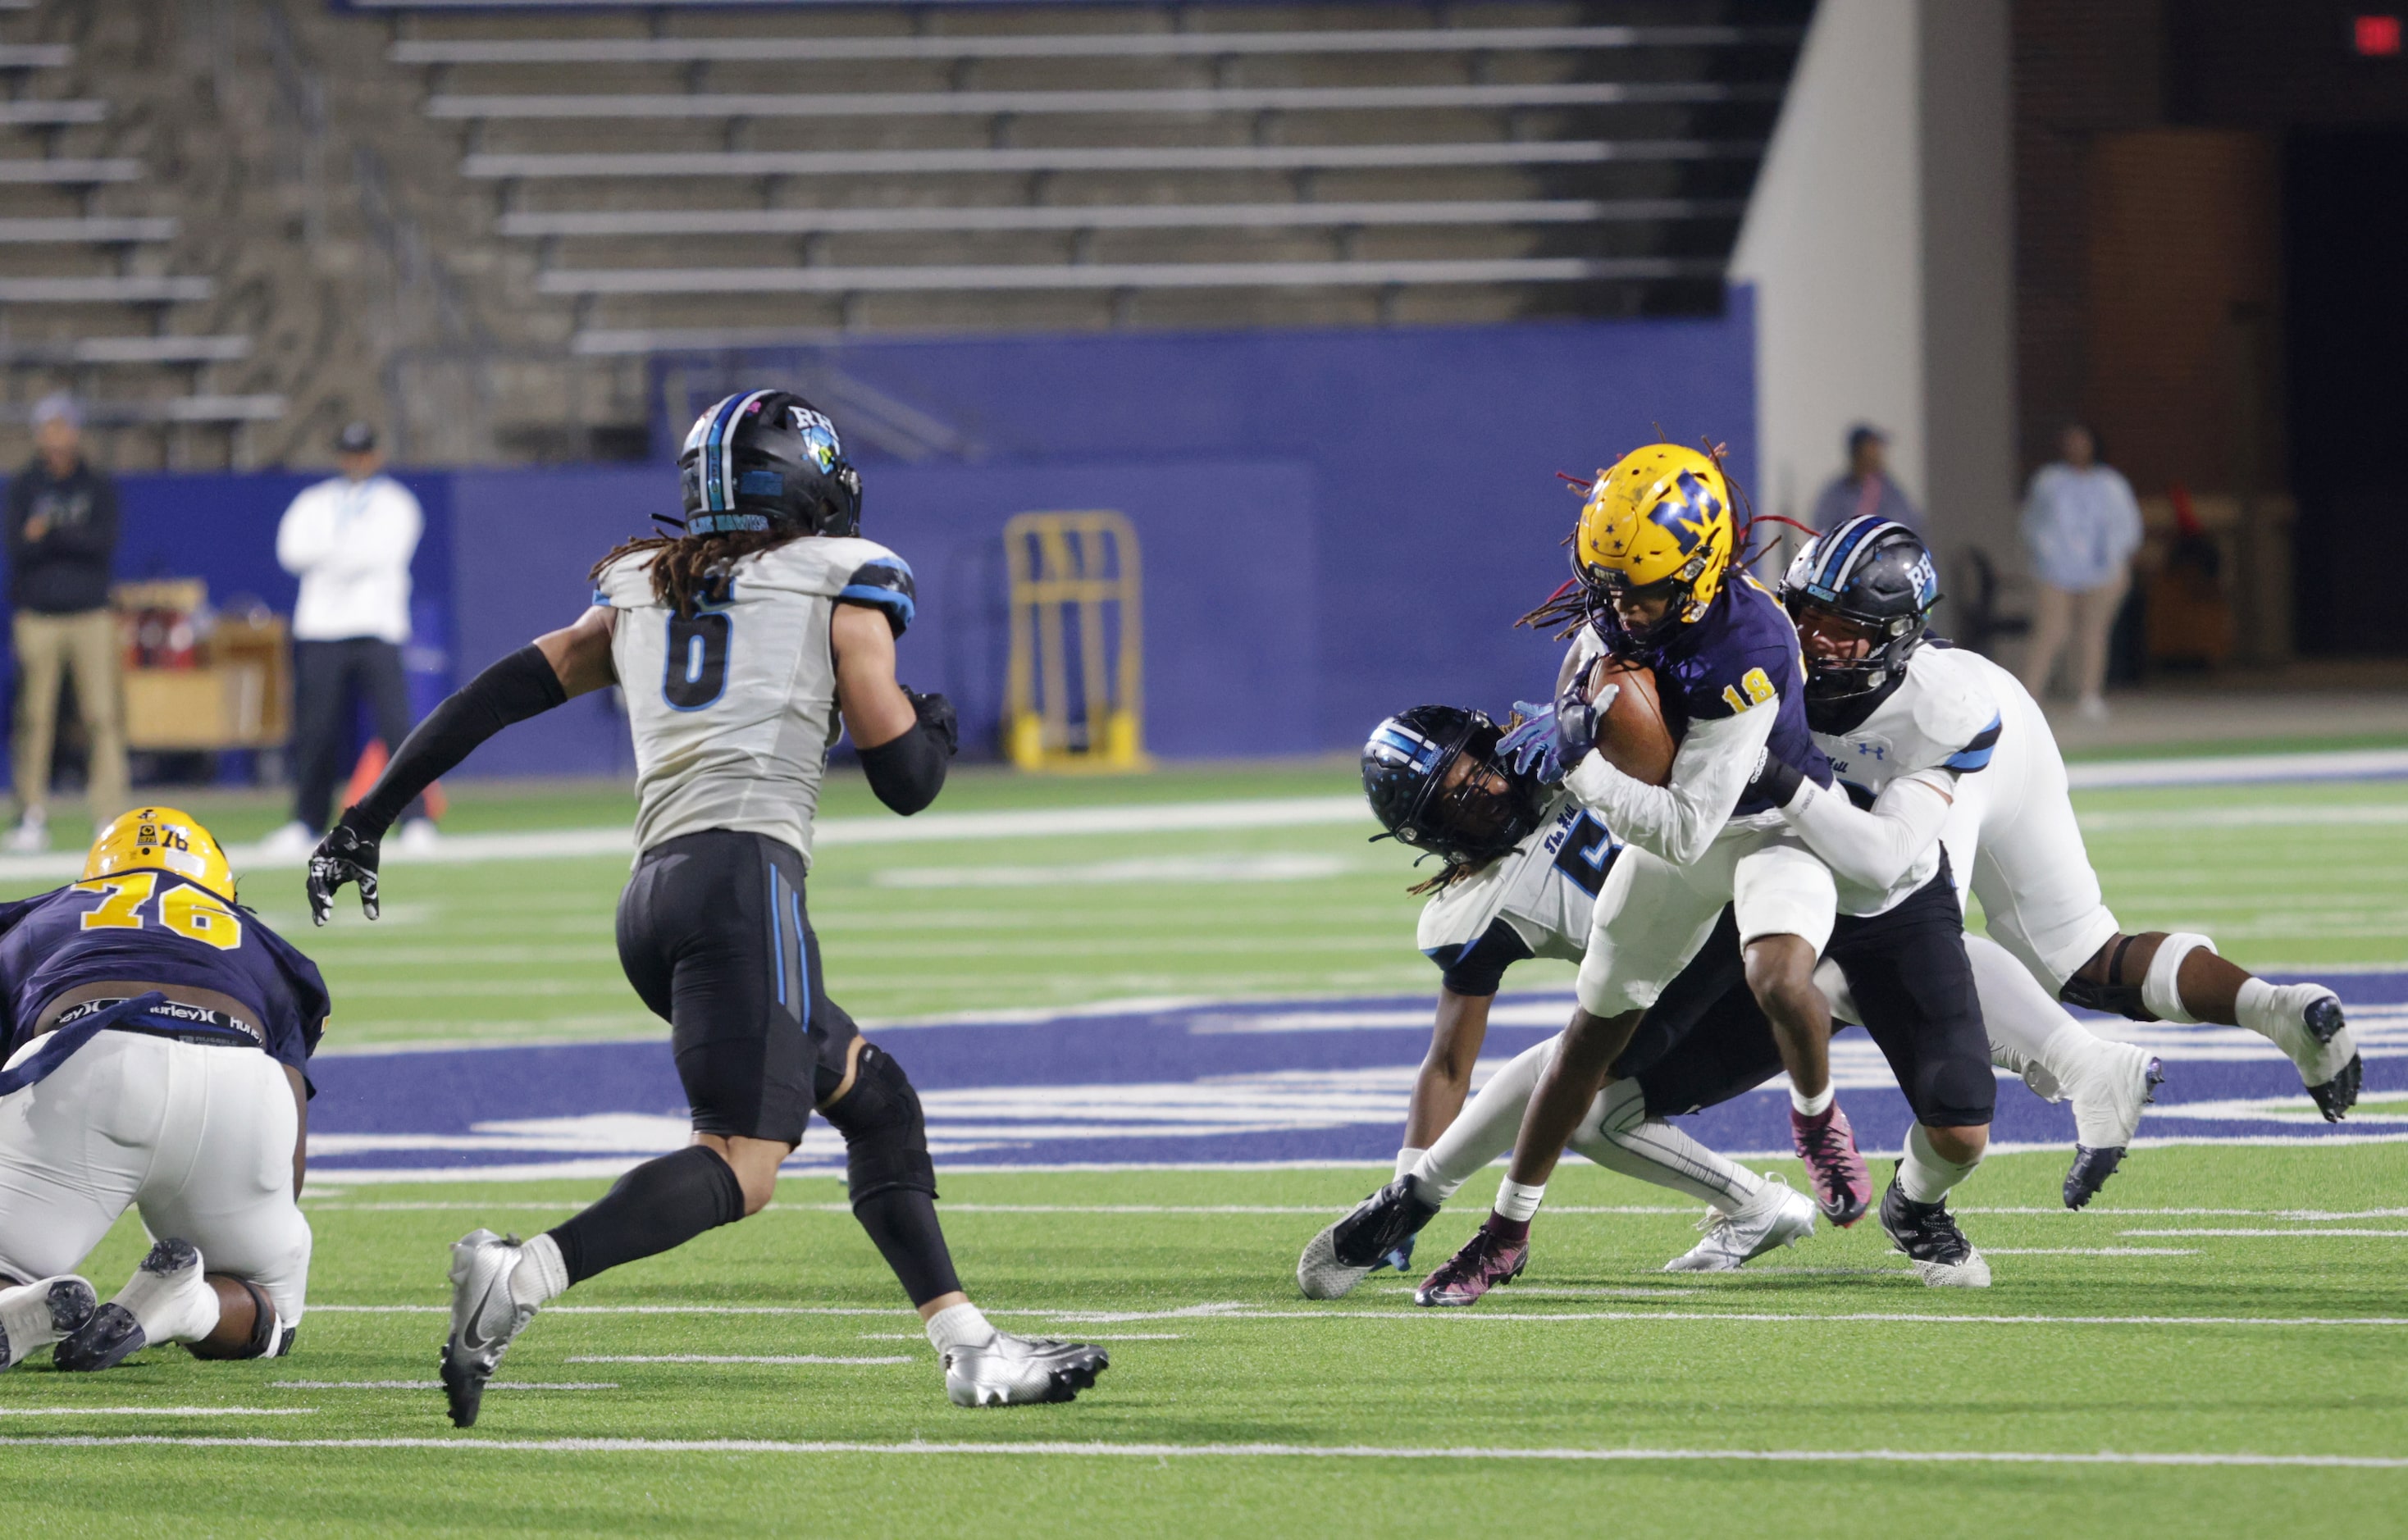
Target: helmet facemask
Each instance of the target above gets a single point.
(1467, 807)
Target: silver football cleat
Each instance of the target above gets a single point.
(1009, 1371)
(484, 1318)
(1777, 1216)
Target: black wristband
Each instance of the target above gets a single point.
(520, 686)
(907, 772)
(1779, 781)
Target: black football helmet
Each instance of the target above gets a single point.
(768, 459)
(1877, 574)
(1470, 822)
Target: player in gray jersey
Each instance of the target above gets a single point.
(743, 648)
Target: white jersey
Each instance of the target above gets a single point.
(1945, 716)
(734, 707)
(1541, 894)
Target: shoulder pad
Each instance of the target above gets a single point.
(884, 582)
(1954, 710)
(626, 583)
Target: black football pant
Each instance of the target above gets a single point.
(327, 677)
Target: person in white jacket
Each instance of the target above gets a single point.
(350, 539)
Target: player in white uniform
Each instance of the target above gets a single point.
(1874, 695)
(1650, 565)
(1433, 783)
(1520, 881)
(743, 648)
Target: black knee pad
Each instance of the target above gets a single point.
(267, 1337)
(2115, 997)
(885, 1137)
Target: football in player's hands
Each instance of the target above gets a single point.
(1631, 733)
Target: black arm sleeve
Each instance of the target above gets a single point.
(908, 773)
(522, 684)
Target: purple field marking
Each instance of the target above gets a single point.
(1298, 1081)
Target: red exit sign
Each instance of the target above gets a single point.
(2375, 36)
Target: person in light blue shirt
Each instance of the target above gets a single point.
(1865, 487)
(2082, 527)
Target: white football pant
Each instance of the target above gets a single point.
(200, 1136)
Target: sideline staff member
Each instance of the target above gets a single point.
(349, 539)
(61, 539)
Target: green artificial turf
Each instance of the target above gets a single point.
(1215, 1348)
(2285, 1345)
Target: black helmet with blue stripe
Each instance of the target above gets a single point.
(1466, 819)
(1877, 575)
(768, 461)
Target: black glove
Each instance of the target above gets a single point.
(935, 712)
(349, 853)
(1776, 780)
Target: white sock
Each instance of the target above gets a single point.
(1407, 1158)
(958, 1326)
(1923, 1174)
(2259, 1007)
(1485, 1127)
(540, 1275)
(1811, 1106)
(1515, 1201)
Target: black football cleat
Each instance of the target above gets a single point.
(1370, 1237)
(2336, 1096)
(35, 1315)
(1929, 1236)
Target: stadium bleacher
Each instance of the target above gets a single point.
(693, 166)
(403, 204)
(87, 297)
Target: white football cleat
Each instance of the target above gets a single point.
(485, 1319)
(1777, 1216)
(32, 835)
(2107, 1110)
(1009, 1371)
(168, 1300)
(35, 1315)
(2306, 1022)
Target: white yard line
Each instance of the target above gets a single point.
(2285, 1234)
(1304, 812)
(1237, 1310)
(731, 1357)
(158, 1411)
(1041, 1450)
(2238, 769)
(2086, 1250)
(435, 1385)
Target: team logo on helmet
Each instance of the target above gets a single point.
(819, 437)
(1687, 515)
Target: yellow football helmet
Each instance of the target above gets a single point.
(1661, 515)
(161, 839)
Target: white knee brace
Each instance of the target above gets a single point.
(2161, 993)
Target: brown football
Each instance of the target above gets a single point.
(1632, 735)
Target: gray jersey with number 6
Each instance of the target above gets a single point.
(733, 707)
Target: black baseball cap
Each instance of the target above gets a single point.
(357, 437)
